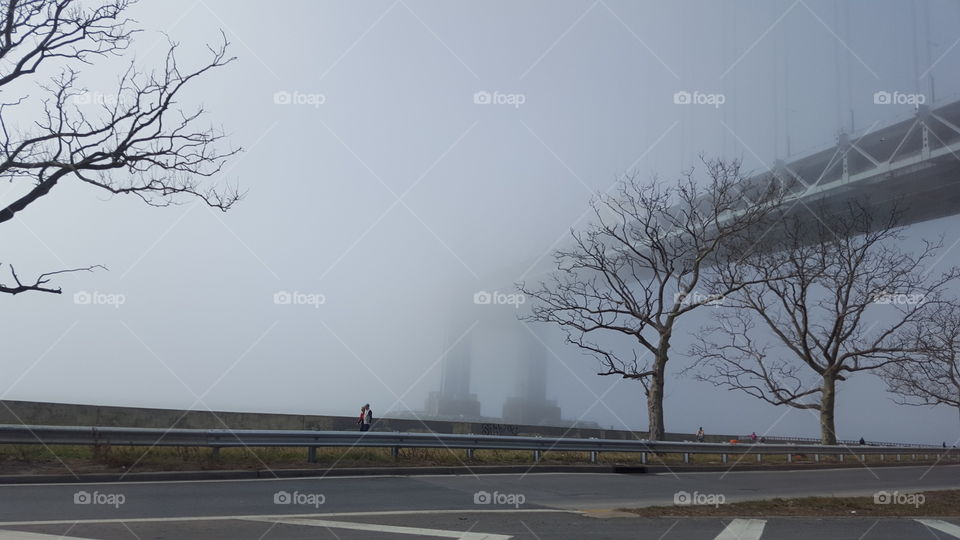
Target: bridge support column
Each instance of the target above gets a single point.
(312, 454)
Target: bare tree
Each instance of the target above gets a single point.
(643, 264)
(933, 377)
(135, 142)
(831, 295)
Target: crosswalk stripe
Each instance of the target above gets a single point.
(23, 535)
(942, 526)
(743, 529)
(386, 528)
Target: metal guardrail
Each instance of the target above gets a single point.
(846, 442)
(217, 438)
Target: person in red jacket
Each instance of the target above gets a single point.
(363, 416)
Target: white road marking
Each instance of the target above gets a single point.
(743, 529)
(285, 516)
(942, 526)
(22, 535)
(387, 529)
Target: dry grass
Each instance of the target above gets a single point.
(35, 459)
(934, 503)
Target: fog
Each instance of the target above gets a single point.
(386, 197)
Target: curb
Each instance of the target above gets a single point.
(182, 476)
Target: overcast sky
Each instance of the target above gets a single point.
(378, 184)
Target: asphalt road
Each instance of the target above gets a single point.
(489, 506)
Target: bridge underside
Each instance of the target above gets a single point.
(913, 165)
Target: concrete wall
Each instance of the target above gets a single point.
(63, 414)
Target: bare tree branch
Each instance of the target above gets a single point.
(834, 294)
(40, 283)
(139, 142)
(643, 264)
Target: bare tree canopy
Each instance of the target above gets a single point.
(832, 294)
(932, 377)
(644, 263)
(139, 142)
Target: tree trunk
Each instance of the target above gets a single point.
(655, 400)
(828, 434)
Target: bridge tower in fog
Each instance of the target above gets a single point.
(498, 341)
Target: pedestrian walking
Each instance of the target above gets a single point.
(362, 417)
(366, 417)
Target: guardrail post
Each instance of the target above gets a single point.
(312, 454)
(686, 457)
(469, 453)
(536, 456)
(789, 458)
(216, 453)
(841, 458)
(395, 452)
(913, 457)
(898, 457)
(593, 456)
(926, 457)
(863, 458)
(643, 458)
(816, 458)
(759, 458)
(723, 458)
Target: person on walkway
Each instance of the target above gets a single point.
(700, 434)
(862, 442)
(753, 437)
(367, 419)
(363, 416)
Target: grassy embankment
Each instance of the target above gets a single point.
(35, 459)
